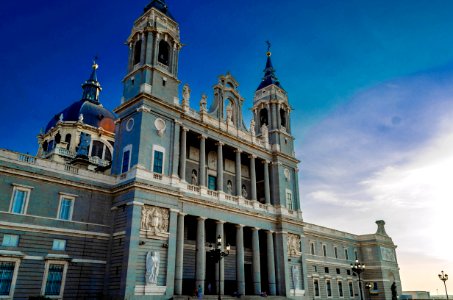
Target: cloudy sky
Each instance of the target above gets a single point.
(371, 84)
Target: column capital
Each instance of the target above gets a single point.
(252, 156)
(177, 122)
(270, 232)
(174, 210)
(219, 143)
(220, 222)
(185, 128)
(255, 228)
(182, 213)
(239, 226)
(265, 161)
(202, 136)
(238, 150)
(201, 218)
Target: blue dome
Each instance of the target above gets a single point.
(94, 114)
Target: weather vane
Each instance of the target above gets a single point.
(268, 46)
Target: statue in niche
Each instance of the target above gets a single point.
(229, 114)
(194, 177)
(152, 267)
(84, 144)
(244, 191)
(293, 245)
(265, 133)
(252, 127)
(203, 103)
(295, 276)
(229, 187)
(155, 221)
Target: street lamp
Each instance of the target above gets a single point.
(368, 286)
(444, 277)
(358, 268)
(217, 255)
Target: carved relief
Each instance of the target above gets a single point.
(229, 166)
(212, 160)
(155, 222)
(245, 171)
(387, 254)
(294, 245)
(194, 153)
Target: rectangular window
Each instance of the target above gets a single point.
(126, 160)
(315, 268)
(375, 286)
(158, 162)
(54, 280)
(59, 245)
(346, 254)
(8, 276)
(340, 288)
(312, 248)
(324, 250)
(351, 290)
(212, 182)
(326, 270)
(348, 272)
(289, 200)
(338, 271)
(335, 250)
(10, 240)
(316, 286)
(20, 200)
(356, 255)
(66, 207)
(328, 288)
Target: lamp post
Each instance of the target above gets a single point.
(358, 268)
(217, 255)
(444, 277)
(368, 288)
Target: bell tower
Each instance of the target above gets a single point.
(154, 46)
(271, 111)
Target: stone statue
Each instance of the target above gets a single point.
(394, 292)
(152, 267)
(244, 191)
(252, 127)
(85, 141)
(60, 119)
(203, 103)
(295, 276)
(265, 133)
(194, 177)
(186, 93)
(229, 112)
(229, 187)
(155, 221)
(80, 118)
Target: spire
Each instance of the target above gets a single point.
(269, 72)
(161, 6)
(91, 87)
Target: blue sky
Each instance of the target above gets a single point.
(370, 83)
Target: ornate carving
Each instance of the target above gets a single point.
(294, 245)
(203, 103)
(185, 97)
(155, 222)
(212, 160)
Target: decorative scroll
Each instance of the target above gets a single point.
(155, 222)
(294, 245)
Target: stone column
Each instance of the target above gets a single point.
(256, 261)
(281, 260)
(202, 175)
(182, 157)
(238, 173)
(201, 254)
(171, 252)
(279, 119)
(219, 231)
(143, 49)
(269, 117)
(274, 116)
(267, 189)
(179, 254)
(270, 263)
(253, 176)
(240, 275)
(131, 56)
(149, 47)
(176, 133)
(219, 166)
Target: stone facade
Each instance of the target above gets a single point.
(141, 225)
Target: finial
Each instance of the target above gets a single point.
(268, 48)
(95, 66)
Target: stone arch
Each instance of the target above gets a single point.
(164, 53)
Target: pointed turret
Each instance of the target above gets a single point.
(92, 87)
(269, 72)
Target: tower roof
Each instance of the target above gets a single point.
(269, 73)
(161, 6)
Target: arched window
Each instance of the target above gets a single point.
(263, 117)
(67, 139)
(164, 53)
(57, 138)
(108, 154)
(44, 146)
(98, 149)
(137, 52)
(283, 117)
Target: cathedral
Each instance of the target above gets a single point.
(157, 200)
